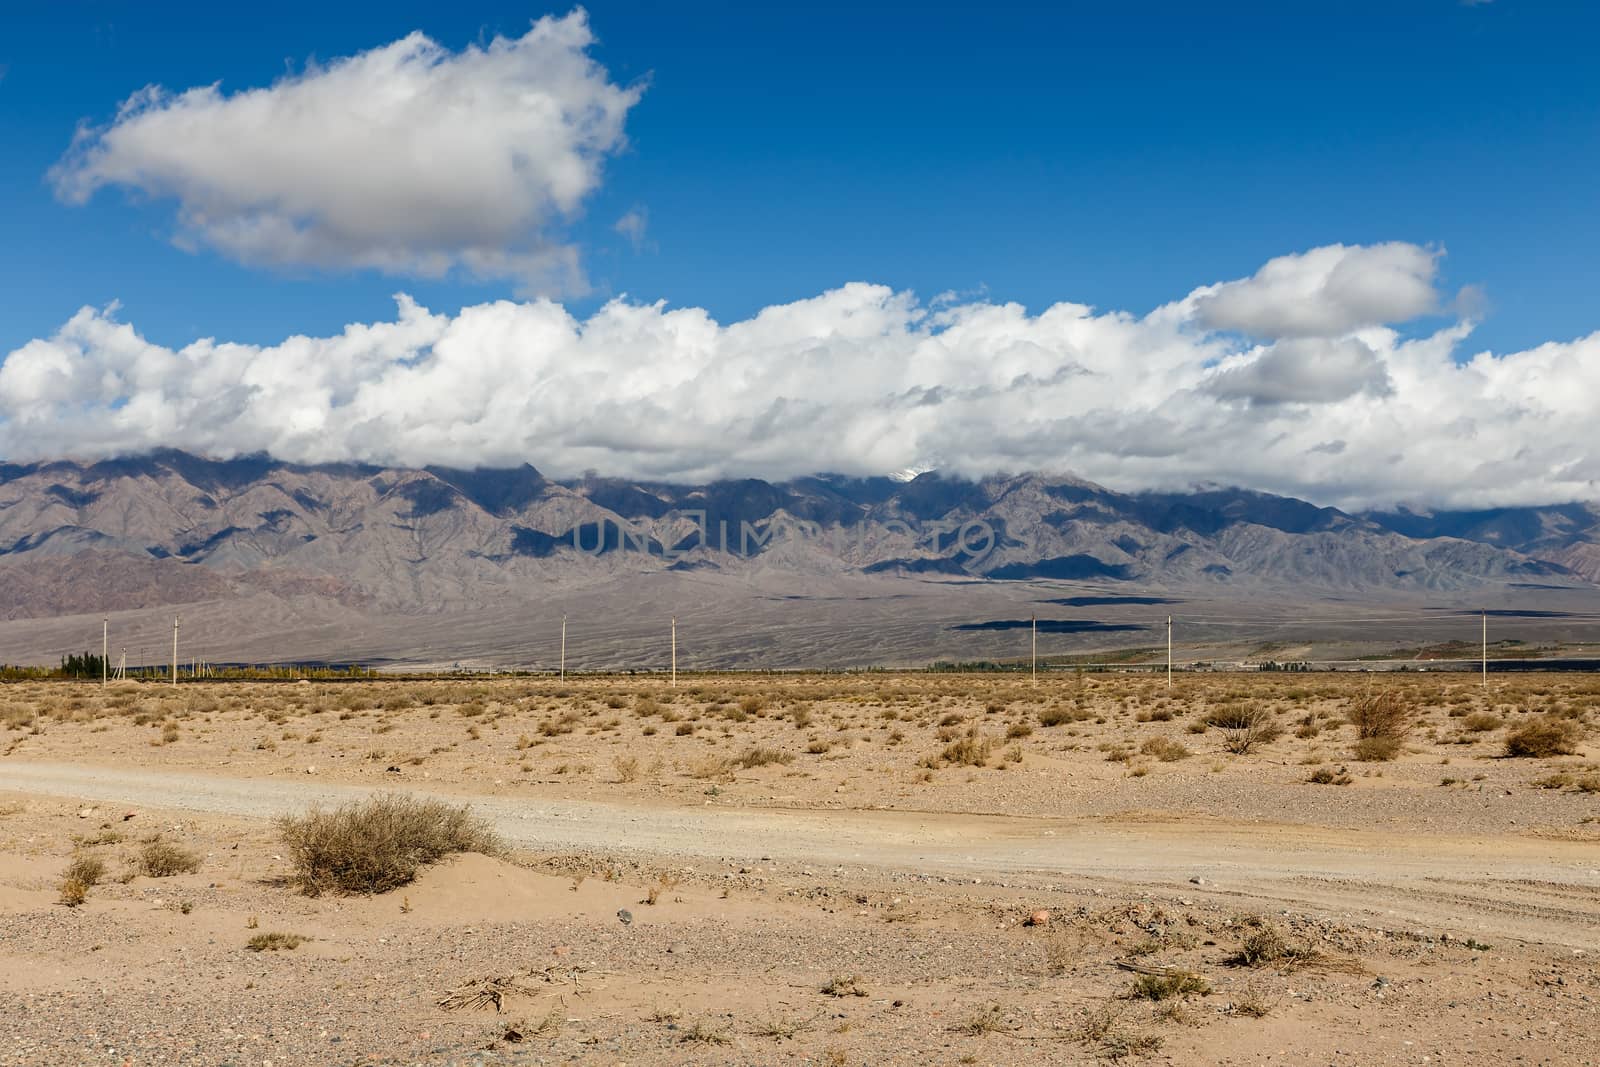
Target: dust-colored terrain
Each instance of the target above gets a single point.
(873, 868)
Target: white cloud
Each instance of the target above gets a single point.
(408, 158)
(1326, 291)
(633, 225)
(860, 379)
(1303, 370)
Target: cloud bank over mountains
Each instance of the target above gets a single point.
(1337, 374)
(1295, 380)
(408, 158)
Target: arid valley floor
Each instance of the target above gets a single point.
(830, 869)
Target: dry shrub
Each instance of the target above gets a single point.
(379, 844)
(1254, 726)
(1329, 776)
(1166, 749)
(713, 767)
(844, 985)
(1383, 714)
(1060, 714)
(1169, 984)
(74, 891)
(1232, 716)
(1543, 737)
(85, 868)
(762, 757)
(162, 859)
(1377, 749)
(275, 942)
(1265, 944)
(972, 749)
(1481, 722)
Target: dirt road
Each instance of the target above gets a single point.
(1532, 889)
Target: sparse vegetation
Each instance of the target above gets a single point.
(1542, 738)
(275, 942)
(1377, 749)
(844, 985)
(1251, 727)
(1385, 714)
(1168, 984)
(379, 844)
(160, 858)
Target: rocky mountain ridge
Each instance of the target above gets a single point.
(172, 527)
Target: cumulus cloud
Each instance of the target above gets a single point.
(860, 379)
(1303, 370)
(1326, 291)
(409, 158)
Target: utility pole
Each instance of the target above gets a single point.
(1169, 651)
(674, 651)
(105, 652)
(174, 650)
(563, 648)
(1486, 648)
(1034, 623)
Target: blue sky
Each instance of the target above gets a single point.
(1117, 155)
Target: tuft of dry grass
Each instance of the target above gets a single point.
(761, 756)
(703, 1033)
(379, 844)
(1251, 1004)
(159, 858)
(1102, 1030)
(1265, 945)
(990, 1019)
(1168, 984)
(275, 942)
(844, 985)
(781, 1029)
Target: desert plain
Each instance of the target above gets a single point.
(861, 868)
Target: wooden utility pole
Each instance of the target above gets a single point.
(1034, 623)
(1169, 651)
(105, 652)
(563, 648)
(1486, 648)
(674, 651)
(174, 650)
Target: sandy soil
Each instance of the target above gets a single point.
(1434, 921)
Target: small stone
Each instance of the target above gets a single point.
(1037, 918)
(625, 916)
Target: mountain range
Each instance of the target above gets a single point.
(358, 542)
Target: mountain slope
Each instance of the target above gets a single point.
(438, 539)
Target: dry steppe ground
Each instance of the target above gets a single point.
(832, 869)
